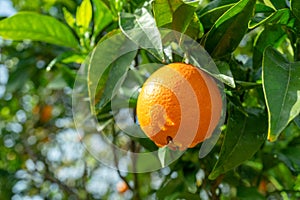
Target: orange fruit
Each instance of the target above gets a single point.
(46, 113)
(122, 187)
(179, 105)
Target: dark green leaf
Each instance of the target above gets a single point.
(282, 91)
(107, 59)
(295, 6)
(279, 4)
(229, 29)
(171, 190)
(270, 36)
(245, 193)
(262, 8)
(190, 182)
(297, 121)
(102, 16)
(244, 136)
(163, 11)
(291, 158)
(209, 18)
(174, 10)
(279, 17)
(213, 5)
(116, 76)
(141, 29)
(37, 27)
(215, 9)
(147, 143)
(189, 24)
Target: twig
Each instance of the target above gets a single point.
(63, 186)
(136, 194)
(116, 159)
(48, 175)
(214, 187)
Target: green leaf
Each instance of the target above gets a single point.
(244, 136)
(166, 156)
(262, 8)
(224, 69)
(216, 4)
(66, 57)
(108, 51)
(279, 4)
(281, 84)
(190, 24)
(117, 73)
(295, 7)
(270, 36)
(173, 11)
(102, 16)
(229, 29)
(69, 18)
(212, 11)
(291, 158)
(163, 11)
(84, 16)
(245, 193)
(162, 155)
(171, 190)
(209, 18)
(278, 17)
(140, 27)
(194, 3)
(37, 27)
(297, 121)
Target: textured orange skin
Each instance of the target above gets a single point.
(181, 103)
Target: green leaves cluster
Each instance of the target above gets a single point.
(43, 28)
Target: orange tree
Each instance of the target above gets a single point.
(254, 46)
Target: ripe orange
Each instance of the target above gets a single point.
(122, 187)
(179, 105)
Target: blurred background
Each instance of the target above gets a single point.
(41, 155)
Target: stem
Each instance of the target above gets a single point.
(214, 187)
(134, 149)
(48, 175)
(136, 194)
(135, 190)
(116, 159)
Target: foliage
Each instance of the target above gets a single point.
(255, 45)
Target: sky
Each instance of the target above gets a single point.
(6, 8)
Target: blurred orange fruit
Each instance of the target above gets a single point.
(179, 105)
(46, 113)
(122, 187)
